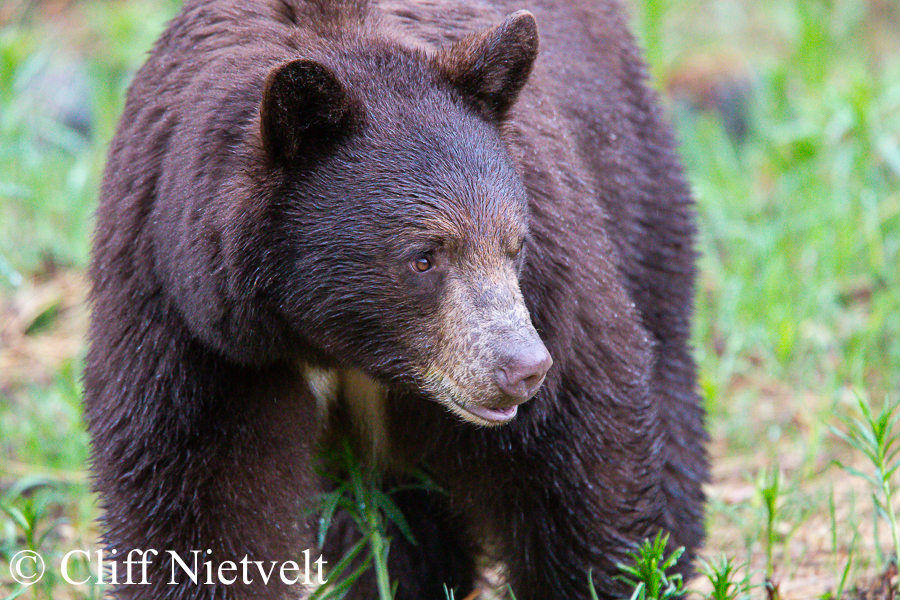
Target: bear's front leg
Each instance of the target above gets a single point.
(559, 501)
(203, 467)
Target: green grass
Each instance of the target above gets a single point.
(798, 306)
(800, 224)
(361, 495)
(49, 173)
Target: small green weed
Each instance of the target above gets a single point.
(768, 486)
(722, 574)
(361, 495)
(32, 519)
(647, 575)
(875, 435)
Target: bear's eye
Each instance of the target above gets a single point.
(422, 264)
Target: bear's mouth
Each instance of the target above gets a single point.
(482, 415)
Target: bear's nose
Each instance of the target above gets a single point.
(522, 373)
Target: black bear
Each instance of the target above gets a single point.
(416, 226)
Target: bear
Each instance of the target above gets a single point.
(424, 227)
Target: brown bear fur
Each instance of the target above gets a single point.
(272, 156)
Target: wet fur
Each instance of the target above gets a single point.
(197, 396)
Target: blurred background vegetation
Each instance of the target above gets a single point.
(788, 113)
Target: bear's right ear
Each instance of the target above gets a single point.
(304, 107)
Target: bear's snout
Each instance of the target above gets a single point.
(522, 372)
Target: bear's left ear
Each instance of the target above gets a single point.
(490, 68)
(304, 107)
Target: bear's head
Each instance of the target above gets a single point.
(404, 218)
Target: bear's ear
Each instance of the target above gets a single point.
(490, 68)
(304, 107)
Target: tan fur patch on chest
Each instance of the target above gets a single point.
(365, 400)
